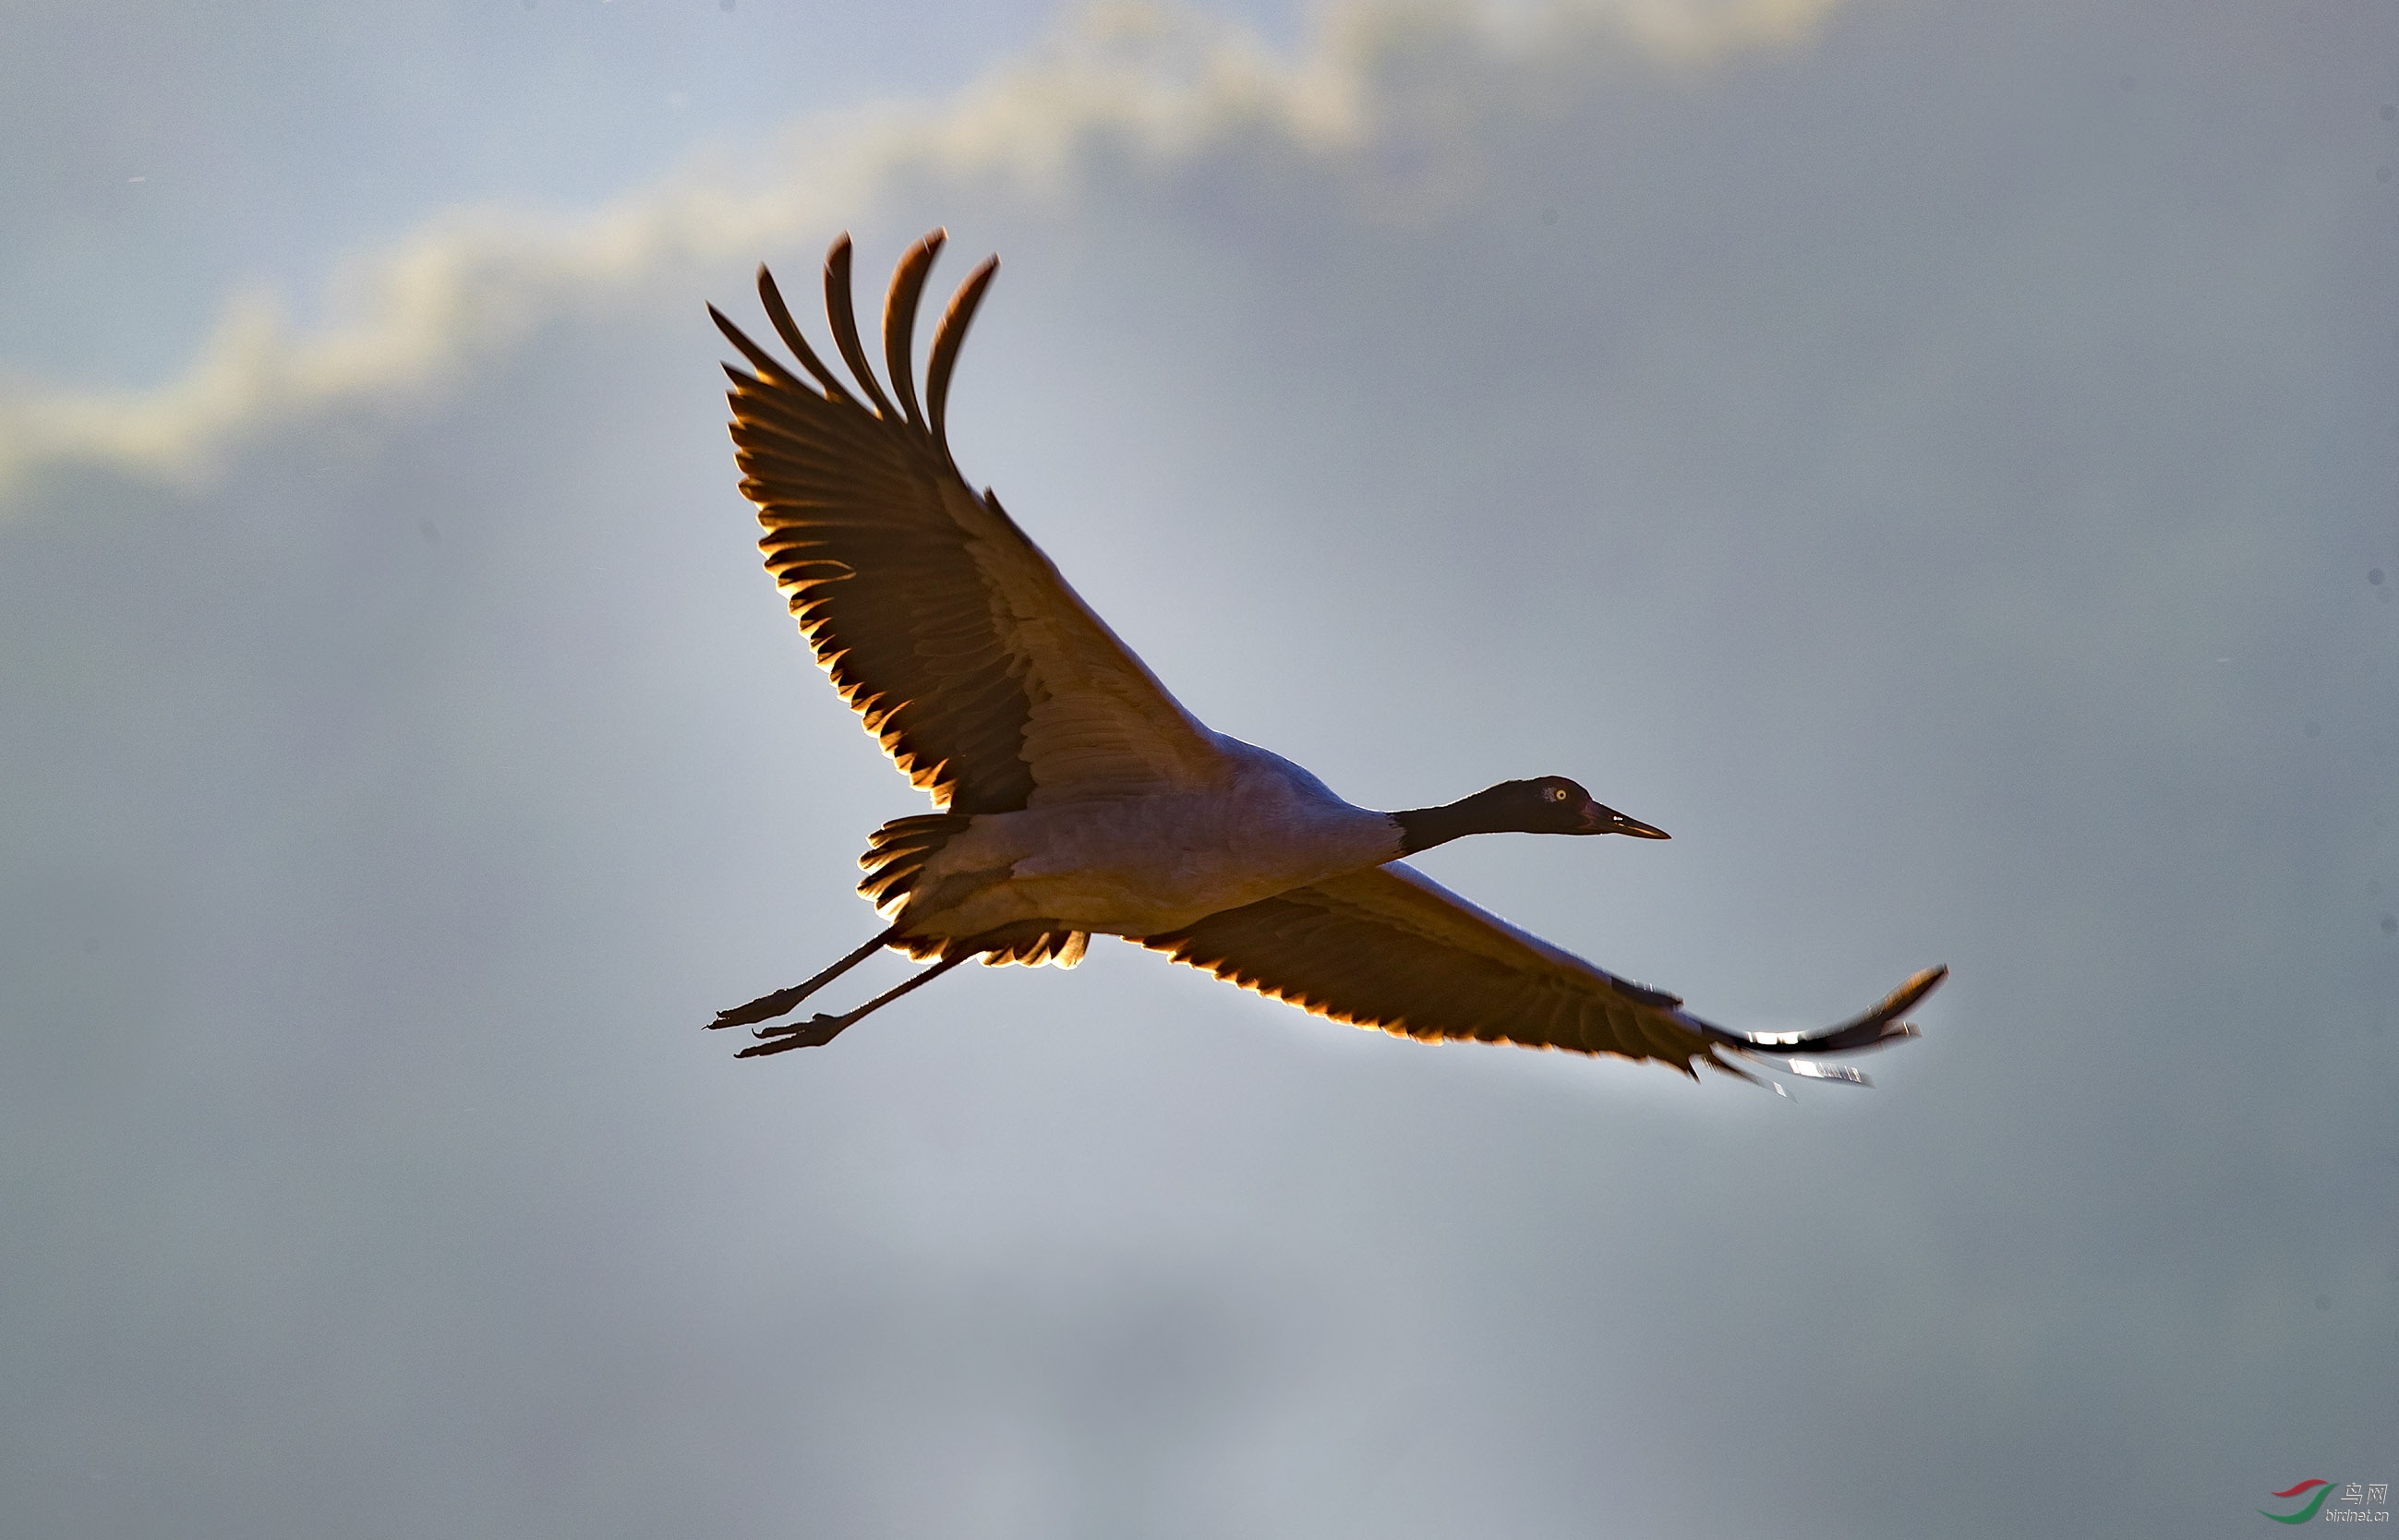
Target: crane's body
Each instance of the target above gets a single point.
(1137, 866)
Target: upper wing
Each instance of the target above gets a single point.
(987, 679)
(1390, 948)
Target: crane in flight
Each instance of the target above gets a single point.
(1073, 795)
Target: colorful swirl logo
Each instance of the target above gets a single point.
(2322, 1489)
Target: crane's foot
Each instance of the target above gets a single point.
(814, 1032)
(760, 1009)
(817, 1031)
(767, 1006)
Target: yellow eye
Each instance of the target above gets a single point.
(1557, 793)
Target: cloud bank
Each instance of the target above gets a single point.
(1160, 84)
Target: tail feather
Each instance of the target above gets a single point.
(896, 854)
(895, 860)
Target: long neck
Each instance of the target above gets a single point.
(1484, 813)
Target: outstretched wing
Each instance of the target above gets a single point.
(984, 675)
(1391, 948)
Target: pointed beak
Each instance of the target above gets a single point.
(1607, 820)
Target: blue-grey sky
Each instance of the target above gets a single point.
(1939, 460)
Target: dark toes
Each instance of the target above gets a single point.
(760, 1009)
(815, 1033)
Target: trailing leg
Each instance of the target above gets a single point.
(817, 1031)
(769, 1005)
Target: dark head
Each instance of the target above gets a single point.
(1550, 805)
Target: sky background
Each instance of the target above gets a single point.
(1939, 460)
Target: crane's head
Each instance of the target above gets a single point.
(1550, 805)
(1557, 805)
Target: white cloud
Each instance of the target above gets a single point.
(1160, 81)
